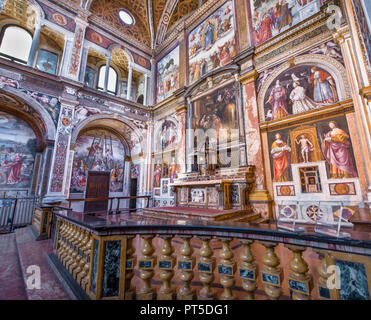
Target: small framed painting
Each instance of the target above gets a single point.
(157, 192)
(165, 187)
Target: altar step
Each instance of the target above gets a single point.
(166, 213)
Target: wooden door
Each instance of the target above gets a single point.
(133, 193)
(97, 187)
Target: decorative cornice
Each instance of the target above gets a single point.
(365, 92)
(341, 35)
(248, 77)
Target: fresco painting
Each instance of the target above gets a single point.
(328, 140)
(299, 89)
(17, 152)
(216, 111)
(212, 44)
(271, 17)
(168, 74)
(363, 14)
(47, 61)
(98, 150)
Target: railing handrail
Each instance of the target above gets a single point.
(108, 198)
(267, 232)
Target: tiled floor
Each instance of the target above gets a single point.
(18, 251)
(11, 282)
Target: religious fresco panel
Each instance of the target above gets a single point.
(168, 74)
(17, 152)
(98, 151)
(217, 110)
(363, 15)
(327, 140)
(212, 44)
(272, 17)
(299, 89)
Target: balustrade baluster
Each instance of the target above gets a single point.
(83, 276)
(67, 238)
(60, 244)
(166, 265)
(75, 244)
(81, 244)
(300, 283)
(63, 244)
(248, 269)
(186, 263)
(272, 275)
(130, 271)
(206, 268)
(71, 248)
(227, 269)
(146, 266)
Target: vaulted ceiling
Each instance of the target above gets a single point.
(153, 18)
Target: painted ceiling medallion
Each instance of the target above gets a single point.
(126, 17)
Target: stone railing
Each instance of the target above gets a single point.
(118, 257)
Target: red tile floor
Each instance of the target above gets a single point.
(18, 251)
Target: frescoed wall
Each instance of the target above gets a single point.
(98, 150)
(363, 14)
(299, 89)
(168, 74)
(212, 44)
(17, 152)
(272, 17)
(327, 140)
(217, 110)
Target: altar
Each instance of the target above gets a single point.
(213, 194)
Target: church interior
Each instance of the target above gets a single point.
(185, 149)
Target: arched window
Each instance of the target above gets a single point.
(16, 44)
(112, 79)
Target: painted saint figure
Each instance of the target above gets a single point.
(277, 99)
(281, 154)
(209, 35)
(300, 101)
(324, 88)
(305, 147)
(157, 181)
(336, 149)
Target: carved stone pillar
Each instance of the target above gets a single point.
(181, 111)
(344, 39)
(58, 177)
(259, 197)
(73, 60)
